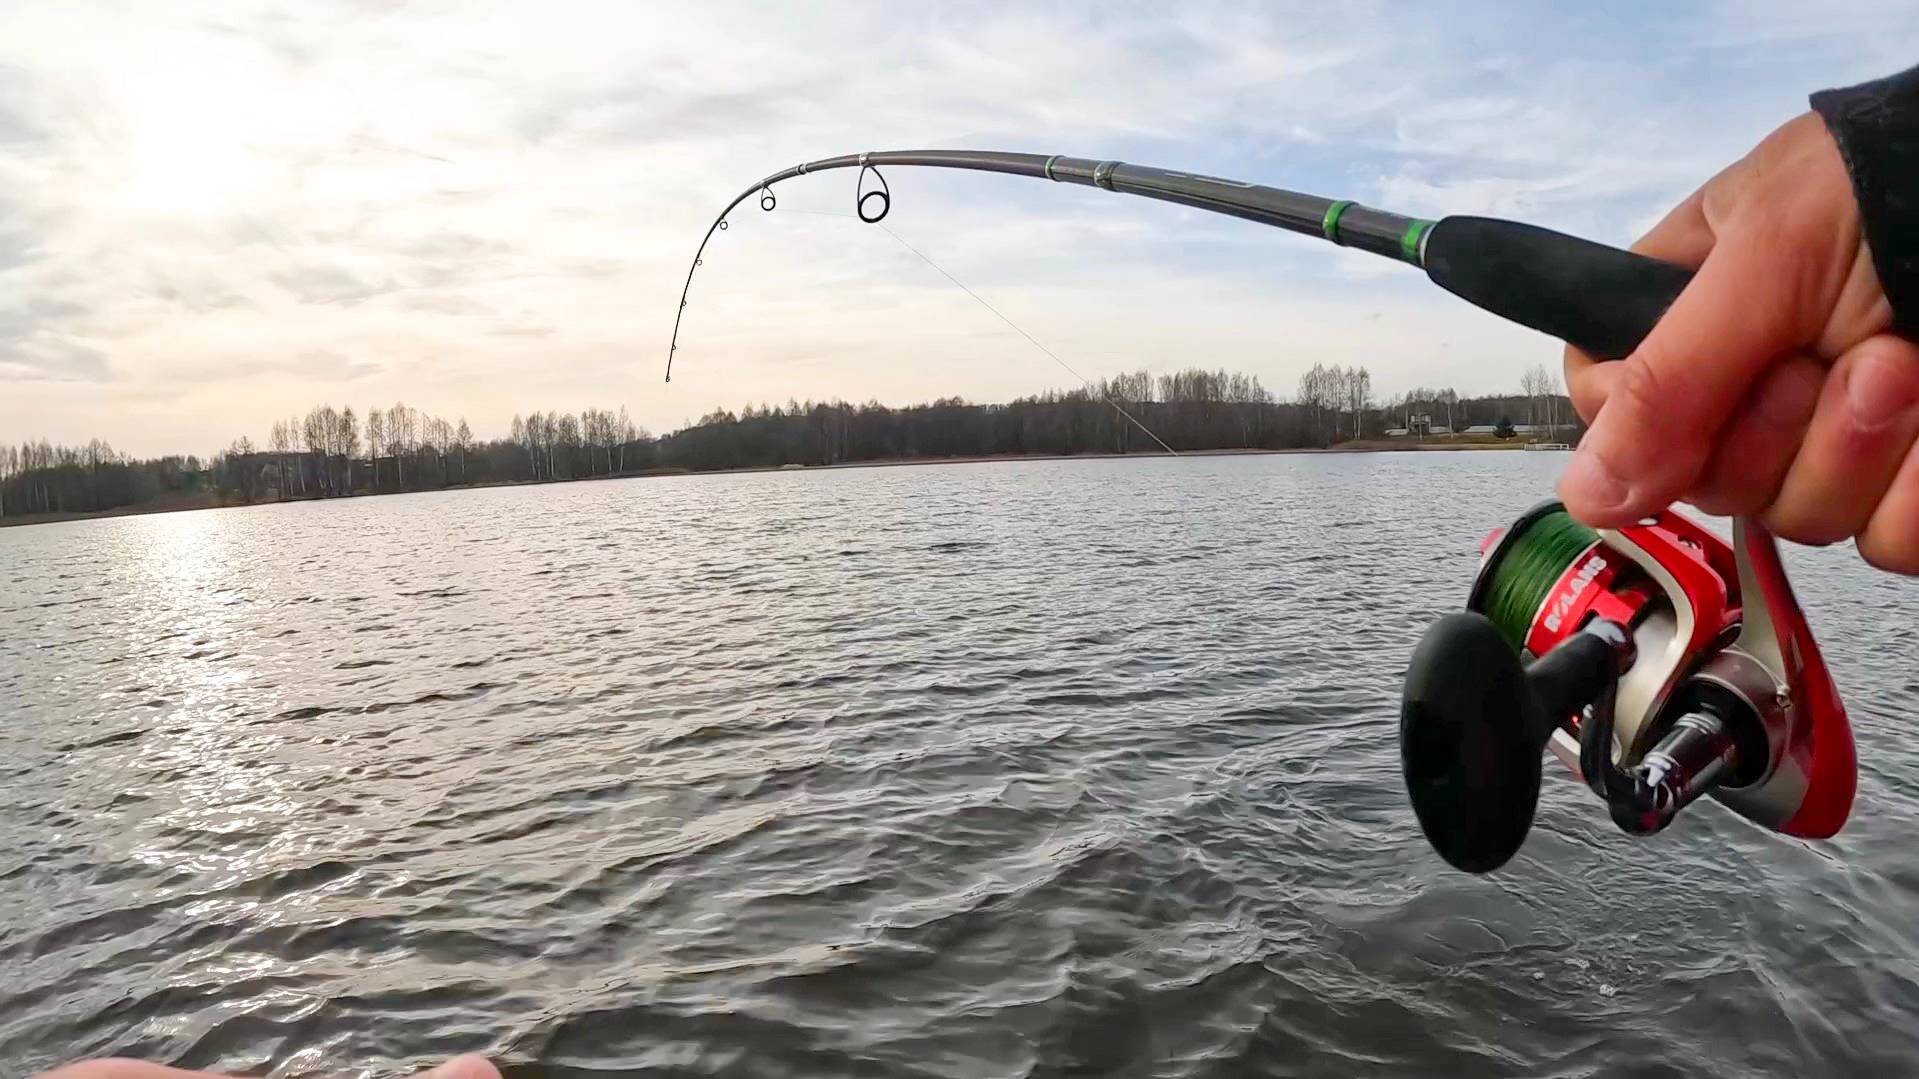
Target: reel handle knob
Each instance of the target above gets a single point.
(1473, 723)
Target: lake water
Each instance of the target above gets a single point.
(1041, 769)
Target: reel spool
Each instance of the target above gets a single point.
(1657, 662)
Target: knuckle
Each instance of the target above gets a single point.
(1722, 498)
(1889, 557)
(1642, 389)
(1891, 543)
(1812, 529)
(1652, 444)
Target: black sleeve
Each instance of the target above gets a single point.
(1877, 127)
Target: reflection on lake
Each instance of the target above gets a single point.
(1050, 768)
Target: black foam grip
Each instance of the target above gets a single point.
(1599, 298)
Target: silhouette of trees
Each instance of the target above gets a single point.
(238, 469)
(1533, 385)
(281, 441)
(39, 477)
(326, 453)
(9, 465)
(375, 440)
(1358, 386)
(463, 439)
(1322, 393)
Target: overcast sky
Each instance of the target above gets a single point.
(214, 214)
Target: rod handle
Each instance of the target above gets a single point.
(1601, 299)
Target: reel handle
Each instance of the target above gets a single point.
(1473, 724)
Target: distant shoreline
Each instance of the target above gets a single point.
(210, 502)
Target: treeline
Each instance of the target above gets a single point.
(1187, 410)
(328, 453)
(37, 477)
(331, 452)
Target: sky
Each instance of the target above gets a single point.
(213, 215)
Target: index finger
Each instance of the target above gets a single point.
(1667, 401)
(1684, 238)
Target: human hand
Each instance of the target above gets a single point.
(1773, 387)
(461, 1067)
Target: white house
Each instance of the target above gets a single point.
(1488, 428)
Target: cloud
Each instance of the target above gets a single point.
(328, 284)
(20, 129)
(47, 355)
(195, 294)
(317, 364)
(215, 210)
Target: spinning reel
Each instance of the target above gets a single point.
(1655, 661)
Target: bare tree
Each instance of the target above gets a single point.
(400, 433)
(1536, 385)
(294, 439)
(463, 438)
(242, 467)
(567, 434)
(519, 438)
(1359, 395)
(1322, 391)
(317, 430)
(9, 465)
(375, 440)
(549, 442)
(347, 443)
(282, 441)
(590, 435)
(440, 437)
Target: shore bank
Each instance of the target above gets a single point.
(211, 501)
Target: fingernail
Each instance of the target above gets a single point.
(1588, 480)
(1880, 389)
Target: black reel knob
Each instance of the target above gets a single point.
(1473, 723)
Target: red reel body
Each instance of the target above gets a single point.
(1662, 663)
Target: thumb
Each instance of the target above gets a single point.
(470, 1066)
(1665, 404)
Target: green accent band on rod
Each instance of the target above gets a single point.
(1409, 243)
(1330, 226)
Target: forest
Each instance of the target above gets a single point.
(329, 452)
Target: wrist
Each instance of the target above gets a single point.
(1876, 126)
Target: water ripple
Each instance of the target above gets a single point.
(1051, 769)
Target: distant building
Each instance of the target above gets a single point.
(1488, 428)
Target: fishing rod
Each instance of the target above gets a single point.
(1658, 662)
(1600, 298)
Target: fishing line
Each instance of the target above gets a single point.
(1599, 298)
(1001, 315)
(1528, 570)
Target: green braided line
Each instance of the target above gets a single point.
(1524, 577)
